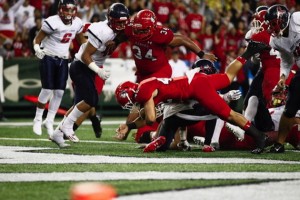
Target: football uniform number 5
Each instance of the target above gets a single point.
(66, 38)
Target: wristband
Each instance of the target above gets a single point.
(200, 54)
(241, 59)
(131, 125)
(93, 67)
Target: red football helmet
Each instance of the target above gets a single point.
(278, 18)
(118, 16)
(67, 10)
(125, 94)
(258, 21)
(279, 96)
(143, 24)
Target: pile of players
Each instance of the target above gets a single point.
(166, 110)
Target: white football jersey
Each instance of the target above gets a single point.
(98, 34)
(276, 115)
(60, 36)
(289, 47)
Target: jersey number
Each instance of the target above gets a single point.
(138, 54)
(66, 38)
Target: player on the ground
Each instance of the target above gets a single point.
(149, 42)
(197, 86)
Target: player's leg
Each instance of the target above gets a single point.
(47, 76)
(287, 118)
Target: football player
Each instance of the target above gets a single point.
(285, 31)
(149, 41)
(180, 115)
(200, 87)
(51, 45)
(88, 64)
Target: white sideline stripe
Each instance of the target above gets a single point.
(110, 122)
(20, 155)
(81, 141)
(282, 190)
(151, 175)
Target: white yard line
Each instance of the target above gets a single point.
(154, 175)
(14, 124)
(275, 190)
(19, 155)
(283, 190)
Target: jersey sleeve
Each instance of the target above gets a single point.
(49, 25)
(164, 36)
(93, 36)
(80, 25)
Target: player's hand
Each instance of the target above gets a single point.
(38, 51)
(281, 83)
(122, 132)
(232, 95)
(103, 73)
(210, 57)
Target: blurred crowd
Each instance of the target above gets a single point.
(218, 26)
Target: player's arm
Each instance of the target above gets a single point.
(87, 59)
(36, 44)
(181, 40)
(39, 37)
(122, 131)
(149, 109)
(111, 45)
(286, 63)
(80, 38)
(87, 54)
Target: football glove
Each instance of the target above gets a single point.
(232, 95)
(38, 51)
(254, 48)
(103, 73)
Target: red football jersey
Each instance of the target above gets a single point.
(202, 88)
(194, 22)
(150, 55)
(162, 11)
(270, 61)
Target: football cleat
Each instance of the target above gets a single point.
(184, 145)
(277, 148)
(155, 144)
(57, 138)
(49, 126)
(237, 131)
(37, 126)
(199, 140)
(215, 145)
(68, 133)
(257, 151)
(207, 148)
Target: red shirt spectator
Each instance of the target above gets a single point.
(194, 20)
(36, 4)
(162, 10)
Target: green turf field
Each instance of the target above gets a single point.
(32, 167)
